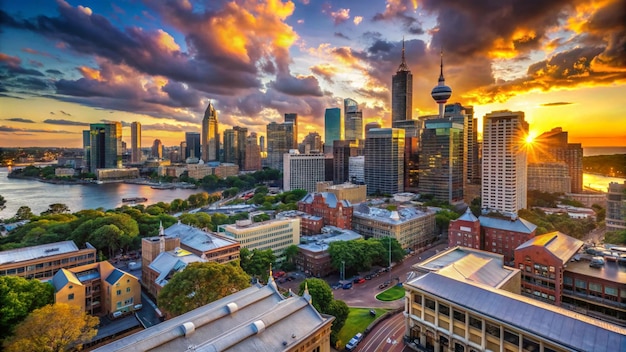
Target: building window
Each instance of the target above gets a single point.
(460, 316)
(119, 292)
(493, 330)
(119, 304)
(475, 323)
(70, 297)
(444, 309)
(511, 337)
(127, 289)
(417, 298)
(430, 304)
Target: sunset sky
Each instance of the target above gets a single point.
(64, 65)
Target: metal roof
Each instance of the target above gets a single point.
(468, 216)
(329, 198)
(196, 238)
(114, 276)
(610, 271)
(394, 217)
(62, 278)
(559, 244)
(557, 325)
(264, 321)
(517, 225)
(176, 260)
(34, 252)
(319, 243)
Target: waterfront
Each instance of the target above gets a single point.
(599, 182)
(39, 195)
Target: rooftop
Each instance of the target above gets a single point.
(467, 264)
(559, 244)
(610, 271)
(196, 238)
(319, 243)
(35, 252)
(517, 225)
(575, 331)
(329, 198)
(467, 216)
(264, 321)
(172, 261)
(393, 217)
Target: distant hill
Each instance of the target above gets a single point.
(608, 165)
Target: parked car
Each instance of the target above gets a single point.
(360, 281)
(354, 341)
(336, 285)
(347, 286)
(384, 285)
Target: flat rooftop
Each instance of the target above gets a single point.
(610, 271)
(198, 239)
(35, 252)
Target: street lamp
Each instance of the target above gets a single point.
(343, 270)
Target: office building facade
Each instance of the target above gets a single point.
(353, 120)
(292, 118)
(553, 146)
(616, 207)
(272, 234)
(303, 171)
(278, 143)
(442, 164)
(192, 143)
(504, 162)
(157, 149)
(105, 146)
(210, 135)
(342, 151)
(402, 92)
(135, 142)
(550, 177)
(332, 127)
(412, 131)
(384, 146)
(312, 143)
(253, 154)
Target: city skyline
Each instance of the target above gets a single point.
(67, 65)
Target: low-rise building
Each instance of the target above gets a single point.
(572, 212)
(158, 273)
(309, 224)
(412, 227)
(43, 261)
(275, 234)
(117, 174)
(64, 172)
(258, 318)
(351, 192)
(211, 246)
(465, 231)
(333, 211)
(98, 288)
(313, 257)
(503, 235)
(616, 207)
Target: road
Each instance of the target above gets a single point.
(386, 337)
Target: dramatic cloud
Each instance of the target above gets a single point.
(64, 122)
(400, 10)
(326, 71)
(341, 35)
(19, 119)
(357, 20)
(560, 103)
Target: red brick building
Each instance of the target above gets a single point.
(465, 231)
(501, 235)
(542, 261)
(334, 212)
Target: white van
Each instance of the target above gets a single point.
(354, 341)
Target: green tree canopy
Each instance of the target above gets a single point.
(324, 302)
(56, 208)
(3, 202)
(55, 327)
(256, 262)
(199, 284)
(19, 297)
(24, 213)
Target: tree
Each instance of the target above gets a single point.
(3, 203)
(323, 301)
(339, 309)
(24, 213)
(55, 327)
(290, 256)
(56, 208)
(257, 263)
(19, 297)
(200, 284)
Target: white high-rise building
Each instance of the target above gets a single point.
(302, 171)
(504, 170)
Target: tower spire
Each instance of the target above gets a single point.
(441, 79)
(441, 93)
(403, 66)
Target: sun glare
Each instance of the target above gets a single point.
(530, 138)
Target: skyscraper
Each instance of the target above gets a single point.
(230, 146)
(210, 135)
(302, 171)
(105, 146)
(332, 128)
(253, 154)
(553, 146)
(402, 92)
(504, 161)
(87, 149)
(465, 116)
(441, 93)
(278, 143)
(352, 120)
(135, 142)
(441, 163)
(384, 160)
(293, 119)
(342, 151)
(157, 149)
(311, 143)
(192, 140)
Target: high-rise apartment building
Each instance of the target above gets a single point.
(293, 119)
(192, 142)
(278, 143)
(342, 151)
(105, 145)
(253, 154)
(303, 171)
(230, 146)
(553, 146)
(384, 160)
(135, 142)
(352, 120)
(465, 115)
(210, 135)
(157, 149)
(504, 171)
(616, 207)
(442, 162)
(332, 128)
(550, 177)
(402, 92)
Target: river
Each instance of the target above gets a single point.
(39, 195)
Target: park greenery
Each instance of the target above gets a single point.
(358, 320)
(54, 327)
(324, 302)
(19, 297)
(361, 255)
(391, 294)
(256, 262)
(200, 284)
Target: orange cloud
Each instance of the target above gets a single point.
(90, 73)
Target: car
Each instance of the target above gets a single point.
(354, 341)
(347, 286)
(368, 277)
(359, 281)
(336, 285)
(381, 286)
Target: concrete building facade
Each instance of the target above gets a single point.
(302, 171)
(384, 146)
(273, 234)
